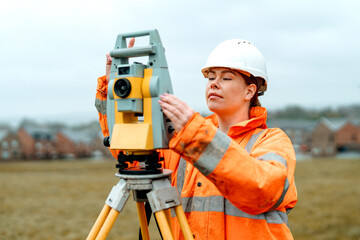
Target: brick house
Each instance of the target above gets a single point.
(10, 148)
(323, 139)
(333, 135)
(82, 143)
(37, 141)
(64, 146)
(347, 137)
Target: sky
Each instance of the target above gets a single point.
(52, 52)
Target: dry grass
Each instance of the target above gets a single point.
(61, 200)
(328, 200)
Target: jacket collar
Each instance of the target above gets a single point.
(257, 119)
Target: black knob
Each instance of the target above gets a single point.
(106, 141)
(171, 129)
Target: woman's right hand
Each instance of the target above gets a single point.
(108, 66)
(109, 59)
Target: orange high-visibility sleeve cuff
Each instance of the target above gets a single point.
(102, 85)
(193, 138)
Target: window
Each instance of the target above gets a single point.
(4, 145)
(5, 155)
(38, 146)
(14, 144)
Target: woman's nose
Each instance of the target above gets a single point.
(215, 84)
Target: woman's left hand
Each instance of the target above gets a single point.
(176, 110)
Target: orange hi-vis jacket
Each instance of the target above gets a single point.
(238, 185)
(100, 104)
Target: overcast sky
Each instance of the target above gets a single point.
(51, 52)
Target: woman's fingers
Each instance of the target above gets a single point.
(173, 104)
(131, 43)
(109, 59)
(171, 111)
(181, 108)
(176, 110)
(108, 66)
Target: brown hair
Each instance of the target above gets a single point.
(254, 102)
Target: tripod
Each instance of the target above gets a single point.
(156, 189)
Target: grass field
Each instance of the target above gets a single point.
(61, 200)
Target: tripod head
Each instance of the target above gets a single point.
(136, 123)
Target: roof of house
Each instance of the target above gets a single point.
(80, 136)
(38, 132)
(292, 124)
(333, 124)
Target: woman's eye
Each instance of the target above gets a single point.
(211, 78)
(227, 79)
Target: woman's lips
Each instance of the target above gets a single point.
(212, 96)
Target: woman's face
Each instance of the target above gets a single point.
(226, 91)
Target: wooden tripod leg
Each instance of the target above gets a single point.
(99, 222)
(164, 225)
(168, 218)
(184, 225)
(143, 221)
(109, 222)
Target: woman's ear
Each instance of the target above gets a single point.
(251, 89)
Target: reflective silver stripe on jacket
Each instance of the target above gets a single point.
(100, 106)
(274, 157)
(281, 199)
(181, 175)
(280, 159)
(213, 153)
(220, 204)
(251, 141)
(266, 157)
(180, 181)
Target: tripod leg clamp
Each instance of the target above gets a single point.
(118, 196)
(163, 195)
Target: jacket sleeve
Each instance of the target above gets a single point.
(100, 104)
(255, 183)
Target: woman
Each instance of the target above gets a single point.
(235, 175)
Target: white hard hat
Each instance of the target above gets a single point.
(240, 55)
